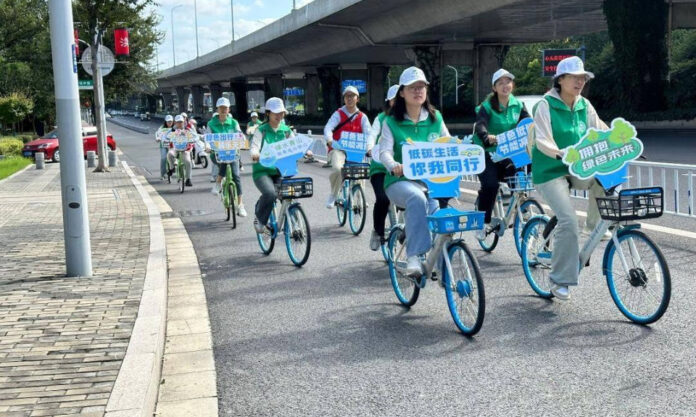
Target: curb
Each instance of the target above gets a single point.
(131, 127)
(18, 172)
(136, 388)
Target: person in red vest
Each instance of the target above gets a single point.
(346, 119)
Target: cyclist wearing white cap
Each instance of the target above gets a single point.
(377, 174)
(253, 124)
(179, 124)
(265, 178)
(561, 120)
(164, 149)
(346, 119)
(225, 123)
(412, 118)
(498, 113)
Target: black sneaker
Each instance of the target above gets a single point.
(188, 183)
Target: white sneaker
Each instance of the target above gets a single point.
(562, 292)
(260, 228)
(241, 212)
(587, 232)
(375, 241)
(214, 190)
(481, 233)
(413, 266)
(331, 201)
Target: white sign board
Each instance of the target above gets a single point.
(105, 58)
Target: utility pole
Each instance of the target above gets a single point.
(195, 20)
(99, 101)
(78, 251)
(232, 17)
(172, 22)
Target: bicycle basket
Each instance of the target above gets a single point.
(632, 204)
(520, 182)
(451, 220)
(291, 188)
(356, 171)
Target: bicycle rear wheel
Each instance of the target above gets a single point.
(342, 208)
(298, 237)
(464, 290)
(357, 209)
(529, 209)
(267, 238)
(536, 255)
(491, 240)
(642, 293)
(405, 287)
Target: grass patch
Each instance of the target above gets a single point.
(12, 164)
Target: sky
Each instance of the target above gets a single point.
(214, 28)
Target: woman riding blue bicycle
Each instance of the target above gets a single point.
(498, 113)
(561, 120)
(412, 119)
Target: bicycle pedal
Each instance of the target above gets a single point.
(433, 277)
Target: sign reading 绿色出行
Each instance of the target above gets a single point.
(226, 145)
(604, 152)
(513, 144)
(551, 57)
(428, 160)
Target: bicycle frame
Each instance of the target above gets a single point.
(282, 217)
(437, 252)
(518, 197)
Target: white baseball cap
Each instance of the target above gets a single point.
(222, 101)
(500, 74)
(351, 89)
(193, 121)
(572, 65)
(391, 93)
(168, 118)
(179, 118)
(412, 75)
(254, 114)
(275, 105)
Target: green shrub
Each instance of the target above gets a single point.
(26, 137)
(11, 147)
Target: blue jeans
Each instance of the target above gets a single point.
(163, 161)
(408, 195)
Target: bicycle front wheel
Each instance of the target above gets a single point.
(464, 289)
(642, 288)
(405, 287)
(232, 195)
(536, 255)
(357, 209)
(342, 208)
(298, 238)
(267, 238)
(528, 209)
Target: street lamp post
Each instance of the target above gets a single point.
(172, 22)
(195, 20)
(232, 17)
(456, 85)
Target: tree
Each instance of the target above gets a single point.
(638, 29)
(98, 19)
(14, 108)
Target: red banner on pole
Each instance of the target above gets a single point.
(121, 46)
(77, 43)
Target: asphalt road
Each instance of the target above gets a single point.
(330, 339)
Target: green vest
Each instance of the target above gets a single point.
(568, 126)
(376, 167)
(269, 136)
(258, 123)
(499, 122)
(229, 126)
(406, 131)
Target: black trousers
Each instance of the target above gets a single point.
(490, 178)
(381, 208)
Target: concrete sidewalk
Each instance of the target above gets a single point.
(89, 346)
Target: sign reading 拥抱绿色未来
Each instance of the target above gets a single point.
(431, 160)
(604, 152)
(226, 145)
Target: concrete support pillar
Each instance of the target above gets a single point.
(330, 79)
(152, 103)
(241, 105)
(182, 99)
(376, 90)
(168, 102)
(215, 93)
(312, 94)
(274, 86)
(429, 59)
(197, 94)
(487, 60)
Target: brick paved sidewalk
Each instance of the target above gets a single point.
(62, 340)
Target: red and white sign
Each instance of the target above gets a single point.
(121, 46)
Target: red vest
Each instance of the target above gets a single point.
(355, 125)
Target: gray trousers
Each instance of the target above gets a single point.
(163, 161)
(171, 155)
(408, 195)
(566, 249)
(264, 205)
